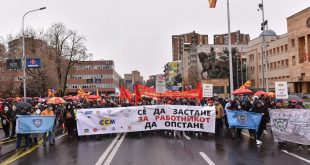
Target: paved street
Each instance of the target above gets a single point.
(160, 149)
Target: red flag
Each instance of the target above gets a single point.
(137, 92)
(125, 94)
(199, 90)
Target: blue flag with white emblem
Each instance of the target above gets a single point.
(34, 124)
(243, 119)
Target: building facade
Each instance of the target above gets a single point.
(191, 64)
(190, 39)
(94, 75)
(236, 38)
(38, 80)
(172, 72)
(132, 79)
(298, 26)
(272, 58)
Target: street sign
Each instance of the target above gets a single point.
(13, 63)
(33, 63)
(160, 83)
(281, 90)
(207, 90)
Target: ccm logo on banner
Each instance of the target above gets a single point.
(107, 122)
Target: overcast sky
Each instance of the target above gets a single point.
(136, 34)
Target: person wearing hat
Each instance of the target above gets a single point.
(48, 112)
(260, 108)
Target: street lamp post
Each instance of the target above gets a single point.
(231, 79)
(24, 58)
(264, 49)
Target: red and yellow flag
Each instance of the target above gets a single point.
(82, 94)
(212, 3)
(246, 85)
(50, 93)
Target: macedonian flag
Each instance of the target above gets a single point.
(212, 3)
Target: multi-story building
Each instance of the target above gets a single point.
(236, 38)
(190, 39)
(94, 75)
(172, 70)
(132, 79)
(298, 26)
(13, 78)
(188, 51)
(288, 56)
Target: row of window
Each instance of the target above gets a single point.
(273, 79)
(277, 50)
(89, 86)
(91, 67)
(91, 76)
(278, 64)
(271, 66)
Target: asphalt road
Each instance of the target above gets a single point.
(160, 149)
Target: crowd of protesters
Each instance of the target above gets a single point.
(66, 114)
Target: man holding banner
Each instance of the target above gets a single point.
(27, 124)
(260, 109)
(241, 119)
(49, 112)
(19, 129)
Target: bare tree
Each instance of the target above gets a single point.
(68, 49)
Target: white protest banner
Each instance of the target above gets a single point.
(145, 118)
(160, 83)
(292, 125)
(207, 90)
(281, 90)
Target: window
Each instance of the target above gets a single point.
(282, 63)
(281, 49)
(293, 43)
(285, 47)
(293, 60)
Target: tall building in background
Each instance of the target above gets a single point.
(187, 51)
(94, 75)
(182, 49)
(236, 38)
(190, 39)
(132, 79)
(38, 79)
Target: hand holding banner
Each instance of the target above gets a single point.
(145, 118)
(34, 124)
